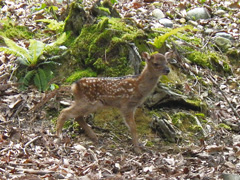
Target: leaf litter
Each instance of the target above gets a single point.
(30, 150)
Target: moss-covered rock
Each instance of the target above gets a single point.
(104, 46)
(76, 19)
(210, 59)
(188, 123)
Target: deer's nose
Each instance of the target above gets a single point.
(167, 70)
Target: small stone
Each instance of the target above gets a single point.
(166, 22)
(193, 23)
(209, 31)
(182, 20)
(224, 35)
(222, 42)
(220, 12)
(157, 13)
(198, 13)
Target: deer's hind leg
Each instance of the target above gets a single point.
(88, 130)
(78, 111)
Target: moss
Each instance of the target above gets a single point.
(186, 123)
(104, 46)
(80, 74)
(225, 126)
(105, 9)
(143, 121)
(198, 104)
(11, 30)
(210, 60)
(199, 58)
(150, 144)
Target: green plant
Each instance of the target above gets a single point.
(114, 1)
(80, 74)
(53, 24)
(49, 9)
(36, 68)
(159, 40)
(11, 29)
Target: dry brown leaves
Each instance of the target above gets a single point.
(29, 149)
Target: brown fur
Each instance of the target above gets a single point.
(125, 93)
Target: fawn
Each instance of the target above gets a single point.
(125, 93)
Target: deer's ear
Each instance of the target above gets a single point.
(146, 56)
(169, 55)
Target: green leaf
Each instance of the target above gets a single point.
(11, 51)
(58, 42)
(15, 49)
(27, 78)
(37, 81)
(159, 41)
(42, 78)
(35, 50)
(43, 5)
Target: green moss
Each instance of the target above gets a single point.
(210, 60)
(11, 30)
(199, 58)
(104, 46)
(225, 126)
(198, 104)
(80, 74)
(186, 123)
(150, 144)
(105, 9)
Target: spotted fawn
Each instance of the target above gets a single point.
(125, 93)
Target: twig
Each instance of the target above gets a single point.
(32, 171)
(29, 142)
(231, 106)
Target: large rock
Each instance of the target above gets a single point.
(198, 13)
(163, 96)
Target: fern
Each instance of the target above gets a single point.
(159, 41)
(11, 51)
(13, 46)
(27, 78)
(36, 49)
(40, 80)
(31, 59)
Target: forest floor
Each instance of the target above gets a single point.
(30, 150)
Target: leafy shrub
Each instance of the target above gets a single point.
(36, 68)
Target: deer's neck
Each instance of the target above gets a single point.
(147, 81)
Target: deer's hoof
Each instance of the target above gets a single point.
(137, 150)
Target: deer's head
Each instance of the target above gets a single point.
(157, 63)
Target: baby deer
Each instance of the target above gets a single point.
(125, 93)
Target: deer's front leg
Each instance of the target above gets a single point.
(88, 130)
(129, 119)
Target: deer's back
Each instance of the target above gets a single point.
(109, 91)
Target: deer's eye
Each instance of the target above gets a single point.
(156, 64)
